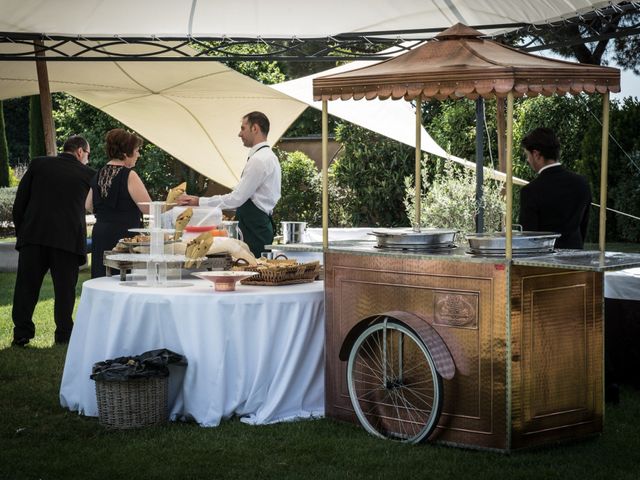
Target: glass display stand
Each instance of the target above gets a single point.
(163, 269)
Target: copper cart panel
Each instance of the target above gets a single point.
(506, 369)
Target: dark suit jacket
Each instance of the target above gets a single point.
(557, 200)
(49, 206)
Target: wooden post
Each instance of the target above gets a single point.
(45, 99)
(325, 176)
(604, 172)
(509, 182)
(416, 224)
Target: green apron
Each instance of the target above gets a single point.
(256, 227)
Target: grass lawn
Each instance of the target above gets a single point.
(41, 440)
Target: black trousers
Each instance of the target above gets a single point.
(33, 263)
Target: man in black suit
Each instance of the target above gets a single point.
(557, 200)
(51, 232)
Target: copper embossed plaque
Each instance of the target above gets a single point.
(456, 309)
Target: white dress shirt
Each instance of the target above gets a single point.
(260, 182)
(555, 164)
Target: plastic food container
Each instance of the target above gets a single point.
(192, 231)
(199, 228)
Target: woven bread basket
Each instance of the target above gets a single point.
(280, 273)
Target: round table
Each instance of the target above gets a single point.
(622, 327)
(257, 352)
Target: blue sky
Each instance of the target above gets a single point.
(630, 83)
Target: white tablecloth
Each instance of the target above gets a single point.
(315, 235)
(335, 234)
(623, 284)
(257, 352)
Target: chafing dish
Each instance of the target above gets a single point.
(522, 243)
(407, 238)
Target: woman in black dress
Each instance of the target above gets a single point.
(116, 191)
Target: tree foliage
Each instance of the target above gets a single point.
(373, 168)
(37, 146)
(623, 185)
(267, 72)
(16, 116)
(159, 171)
(589, 41)
(568, 116)
(449, 200)
(301, 190)
(452, 125)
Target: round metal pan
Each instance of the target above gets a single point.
(406, 237)
(529, 242)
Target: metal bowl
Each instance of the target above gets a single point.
(407, 237)
(530, 242)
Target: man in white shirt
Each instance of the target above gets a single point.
(258, 191)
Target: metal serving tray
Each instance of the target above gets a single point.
(524, 242)
(407, 237)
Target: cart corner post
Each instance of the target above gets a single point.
(604, 162)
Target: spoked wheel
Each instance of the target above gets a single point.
(394, 386)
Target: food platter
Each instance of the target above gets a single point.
(143, 243)
(129, 243)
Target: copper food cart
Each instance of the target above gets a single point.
(510, 347)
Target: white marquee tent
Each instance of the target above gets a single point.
(193, 109)
(272, 18)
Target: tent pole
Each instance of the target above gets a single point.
(479, 164)
(604, 167)
(45, 99)
(509, 161)
(501, 124)
(416, 223)
(325, 176)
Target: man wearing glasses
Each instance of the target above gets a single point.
(51, 235)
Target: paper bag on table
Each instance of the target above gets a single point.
(236, 248)
(181, 221)
(197, 249)
(174, 193)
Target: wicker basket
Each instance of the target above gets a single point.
(132, 404)
(274, 274)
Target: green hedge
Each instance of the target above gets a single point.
(7, 197)
(301, 190)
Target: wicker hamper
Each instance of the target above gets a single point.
(133, 403)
